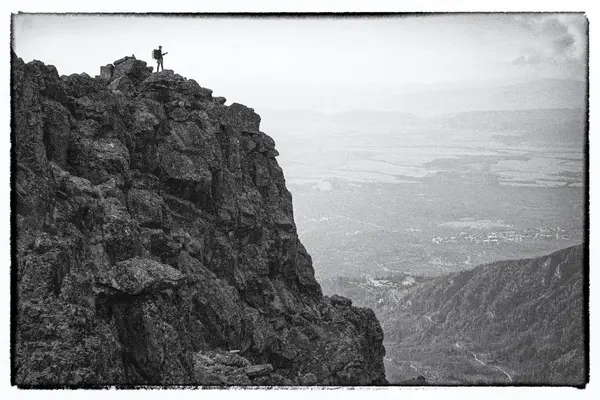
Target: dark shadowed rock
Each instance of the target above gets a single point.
(57, 131)
(418, 381)
(149, 209)
(272, 153)
(87, 108)
(340, 301)
(99, 160)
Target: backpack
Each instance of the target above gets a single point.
(156, 54)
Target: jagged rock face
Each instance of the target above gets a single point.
(153, 224)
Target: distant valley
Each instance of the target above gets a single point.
(433, 195)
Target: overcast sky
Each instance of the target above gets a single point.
(270, 62)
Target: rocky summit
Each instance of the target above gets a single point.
(156, 244)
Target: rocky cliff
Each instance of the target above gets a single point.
(156, 243)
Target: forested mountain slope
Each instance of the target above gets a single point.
(506, 322)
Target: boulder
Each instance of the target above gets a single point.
(179, 114)
(308, 379)
(258, 370)
(106, 72)
(340, 301)
(122, 60)
(122, 83)
(166, 86)
(134, 69)
(138, 276)
(242, 118)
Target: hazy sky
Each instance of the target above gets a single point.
(267, 62)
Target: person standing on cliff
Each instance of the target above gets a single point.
(158, 55)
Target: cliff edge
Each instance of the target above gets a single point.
(156, 243)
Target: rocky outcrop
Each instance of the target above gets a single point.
(155, 234)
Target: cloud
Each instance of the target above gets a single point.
(555, 39)
(563, 45)
(554, 27)
(528, 57)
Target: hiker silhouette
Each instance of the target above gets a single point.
(158, 56)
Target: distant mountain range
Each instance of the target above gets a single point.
(548, 125)
(506, 322)
(554, 125)
(438, 99)
(541, 94)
